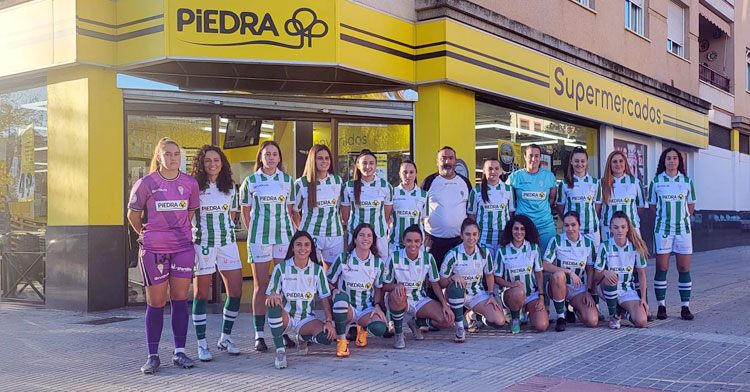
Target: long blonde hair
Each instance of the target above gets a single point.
(633, 235)
(311, 173)
(158, 150)
(607, 178)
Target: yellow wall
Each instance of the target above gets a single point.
(85, 157)
(444, 117)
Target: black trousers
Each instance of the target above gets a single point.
(438, 248)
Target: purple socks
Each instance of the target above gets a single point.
(154, 324)
(180, 318)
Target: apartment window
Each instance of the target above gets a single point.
(586, 3)
(524, 124)
(719, 136)
(634, 16)
(537, 126)
(676, 29)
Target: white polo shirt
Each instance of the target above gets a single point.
(446, 203)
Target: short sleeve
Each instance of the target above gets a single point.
(640, 201)
(691, 197)
(425, 210)
(598, 199)
(138, 196)
(499, 267)
(473, 205)
(194, 200)
(298, 185)
(640, 261)
(388, 194)
(551, 253)
(334, 272)
(489, 266)
(235, 200)
(432, 274)
(292, 194)
(511, 199)
(560, 198)
(592, 254)
(245, 196)
(551, 180)
(601, 258)
(323, 290)
(537, 254)
(388, 273)
(275, 284)
(652, 193)
(345, 195)
(447, 267)
(380, 274)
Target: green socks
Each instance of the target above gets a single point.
(199, 320)
(231, 310)
(276, 322)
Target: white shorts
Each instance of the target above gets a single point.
(358, 314)
(673, 243)
(226, 257)
(572, 291)
(596, 238)
(622, 295)
(295, 325)
(329, 248)
(264, 253)
(470, 301)
(529, 298)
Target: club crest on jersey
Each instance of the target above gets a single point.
(133, 198)
(308, 295)
(541, 182)
(181, 189)
(160, 267)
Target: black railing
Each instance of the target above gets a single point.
(711, 77)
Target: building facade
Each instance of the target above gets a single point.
(402, 78)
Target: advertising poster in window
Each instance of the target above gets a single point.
(636, 156)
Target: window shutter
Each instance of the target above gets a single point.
(676, 24)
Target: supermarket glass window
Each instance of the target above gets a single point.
(23, 193)
(500, 134)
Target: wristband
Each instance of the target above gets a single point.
(492, 294)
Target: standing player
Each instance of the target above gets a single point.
(166, 257)
(621, 191)
(572, 272)
(368, 199)
(409, 205)
(215, 245)
(294, 283)
(357, 276)
(581, 193)
(406, 272)
(534, 190)
(468, 274)
(492, 202)
(319, 205)
(519, 270)
(267, 198)
(618, 258)
(671, 196)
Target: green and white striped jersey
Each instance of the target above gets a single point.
(358, 278)
(493, 215)
(671, 195)
(268, 196)
(409, 208)
(626, 196)
(471, 267)
(582, 198)
(520, 264)
(298, 286)
(374, 197)
(412, 273)
(622, 260)
(572, 255)
(212, 222)
(322, 219)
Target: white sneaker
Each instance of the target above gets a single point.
(203, 354)
(416, 331)
(460, 335)
(280, 361)
(399, 341)
(227, 345)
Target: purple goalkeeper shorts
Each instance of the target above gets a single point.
(156, 268)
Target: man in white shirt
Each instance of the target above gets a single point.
(447, 195)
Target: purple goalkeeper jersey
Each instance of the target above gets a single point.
(167, 203)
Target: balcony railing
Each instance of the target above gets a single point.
(713, 78)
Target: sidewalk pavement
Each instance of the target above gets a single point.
(49, 350)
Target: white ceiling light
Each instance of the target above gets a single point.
(524, 131)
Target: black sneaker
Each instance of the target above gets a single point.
(661, 313)
(685, 313)
(560, 324)
(570, 317)
(260, 345)
(649, 317)
(288, 342)
(388, 334)
(182, 360)
(151, 365)
(433, 329)
(351, 335)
